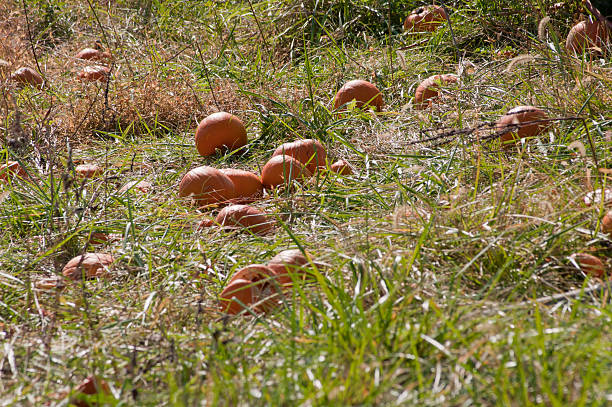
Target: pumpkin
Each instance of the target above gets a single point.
(206, 185)
(247, 186)
(309, 152)
(606, 223)
(341, 167)
(426, 18)
(141, 186)
(511, 126)
(220, 130)
(365, 93)
(88, 170)
(430, 89)
(254, 272)
(590, 264)
(88, 265)
(281, 169)
(248, 286)
(94, 73)
(11, 169)
(244, 216)
(27, 76)
(92, 54)
(288, 263)
(586, 34)
(90, 386)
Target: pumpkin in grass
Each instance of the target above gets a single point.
(309, 152)
(92, 54)
(589, 264)
(281, 169)
(11, 169)
(140, 186)
(88, 387)
(94, 73)
(88, 170)
(363, 92)
(247, 186)
(27, 76)
(521, 122)
(88, 265)
(253, 284)
(586, 34)
(606, 223)
(244, 216)
(341, 167)
(206, 185)
(430, 89)
(220, 130)
(288, 263)
(426, 18)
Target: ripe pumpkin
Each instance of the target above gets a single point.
(90, 386)
(606, 223)
(281, 169)
(220, 130)
(88, 170)
(511, 128)
(590, 264)
(206, 185)
(288, 263)
(309, 152)
(430, 89)
(426, 18)
(92, 54)
(247, 287)
(88, 265)
(141, 186)
(11, 169)
(364, 92)
(244, 216)
(94, 73)
(342, 167)
(247, 186)
(27, 76)
(586, 34)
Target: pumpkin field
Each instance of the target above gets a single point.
(305, 203)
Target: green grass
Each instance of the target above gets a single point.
(430, 256)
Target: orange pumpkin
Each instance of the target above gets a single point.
(309, 152)
(88, 265)
(247, 186)
(94, 73)
(206, 185)
(430, 89)
(606, 223)
(244, 216)
(426, 18)
(251, 285)
(590, 264)
(92, 54)
(511, 126)
(363, 92)
(288, 263)
(281, 169)
(141, 186)
(88, 170)
(11, 169)
(342, 167)
(90, 386)
(220, 130)
(586, 34)
(27, 76)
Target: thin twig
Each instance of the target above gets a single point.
(25, 11)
